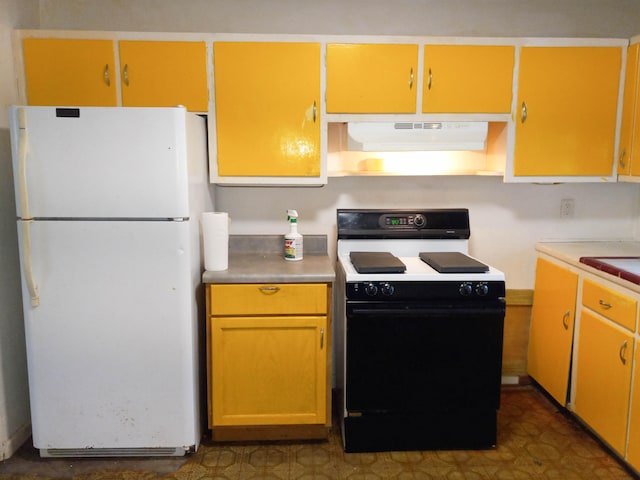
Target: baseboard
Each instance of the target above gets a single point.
(516, 380)
(9, 446)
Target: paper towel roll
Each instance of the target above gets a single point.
(215, 236)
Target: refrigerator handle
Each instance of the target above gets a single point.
(26, 263)
(22, 163)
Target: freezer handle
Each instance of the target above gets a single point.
(22, 163)
(26, 263)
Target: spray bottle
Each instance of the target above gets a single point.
(293, 240)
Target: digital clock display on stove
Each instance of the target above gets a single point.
(412, 221)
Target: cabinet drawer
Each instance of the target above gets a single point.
(268, 299)
(611, 304)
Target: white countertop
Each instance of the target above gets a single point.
(571, 252)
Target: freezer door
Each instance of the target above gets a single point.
(112, 346)
(100, 162)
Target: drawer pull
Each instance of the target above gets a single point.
(622, 353)
(565, 319)
(269, 290)
(321, 338)
(604, 304)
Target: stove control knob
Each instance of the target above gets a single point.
(465, 289)
(482, 289)
(419, 220)
(371, 289)
(387, 289)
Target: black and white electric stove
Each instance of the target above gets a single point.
(419, 326)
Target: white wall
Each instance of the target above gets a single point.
(14, 400)
(506, 219)
(376, 17)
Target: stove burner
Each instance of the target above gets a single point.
(376, 262)
(452, 262)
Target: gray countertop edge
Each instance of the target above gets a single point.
(259, 259)
(570, 252)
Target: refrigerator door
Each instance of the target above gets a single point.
(96, 162)
(112, 346)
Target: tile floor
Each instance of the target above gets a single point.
(535, 441)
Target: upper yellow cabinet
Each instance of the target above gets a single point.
(467, 78)
(267, 108)
(82, 72)
(628, 155)
(164, 74)
(372, 78)
(567, 102)
(62, 71)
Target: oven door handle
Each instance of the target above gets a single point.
(427, 310)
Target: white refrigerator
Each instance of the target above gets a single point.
(108, 205)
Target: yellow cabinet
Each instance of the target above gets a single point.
(81, 72)
(268, 354)
(551, 333)
(633, 446)
(603, 378)
(467, 78)
(371, 78)
(164, 74)
(267, 104)
(567, 101)
(69, 72)
(609, 303)
(630, 129)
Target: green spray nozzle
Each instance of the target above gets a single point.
(292, 216)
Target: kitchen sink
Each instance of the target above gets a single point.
(627, 268)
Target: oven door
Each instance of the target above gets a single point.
(411, 357)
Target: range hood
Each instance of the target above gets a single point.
(416, 136)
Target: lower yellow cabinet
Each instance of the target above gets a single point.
(633, 446)
(603, 378)
(551, 334)
(268, 358)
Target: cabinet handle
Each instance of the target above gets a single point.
(565, 319)
(269, 290)
(621, 161)
(523, 118)
(107, 80)
(622, 353)
(604, 304)
(430, 79)
(321, 338)
(315, 111)
(411, 79)
(125, 74)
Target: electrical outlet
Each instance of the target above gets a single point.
(567, 207)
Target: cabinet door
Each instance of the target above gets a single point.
(568, 99)
(269, 370)
(164, 74)
(625, 150)
(603, 378)
(467, 79)
(371, 78)
(551, 334)
(267, 108)
(633, 447)
(69, 72)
